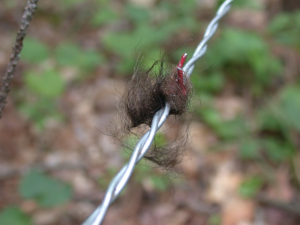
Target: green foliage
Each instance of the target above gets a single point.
(34, 51)
(277, 120)
(213, 82)
(41, 104)
(48, 192)
(276, 150)
(143, 37)
(215, 219)
(285, 28)
(145, 33)
(290, 107)
(69, 54)
(104, 17)
(10, 3)
(137, 14)
(249, 148)
(159, 183)
(250, 187)
(282, 113)
(41, 110)
(159, 140)
(49, 84)
(70, 3)
(14, 216)
(225, 129)
(249, 64)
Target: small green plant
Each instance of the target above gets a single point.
(13, 215)
(215, 219)
(34, 51)
(48, 84)
(248, 65)
(250, 187)
(285, 28)
(70, 54)
(45, 190)
(41, 102)
(275, 122)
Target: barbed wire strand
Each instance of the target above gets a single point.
(121, 179)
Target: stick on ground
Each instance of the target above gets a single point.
(14, 58)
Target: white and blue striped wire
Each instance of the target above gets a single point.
(120, 180)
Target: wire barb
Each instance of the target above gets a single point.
(180, 79)
(120, 180)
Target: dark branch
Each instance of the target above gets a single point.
(14, 58)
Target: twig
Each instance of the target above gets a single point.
(289, 207)
(14, 58)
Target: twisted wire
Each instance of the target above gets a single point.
(121, 179)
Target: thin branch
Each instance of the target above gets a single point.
(14, 58)
(289, 207)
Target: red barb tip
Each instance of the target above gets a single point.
(180, 73)
(182, 60)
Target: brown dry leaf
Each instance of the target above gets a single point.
(225, 184)
(81, 183)
(200, 138)
(164, 210)
(282, 190)
(237, 211)
(224, 191)
(48, 216)
(178, 218)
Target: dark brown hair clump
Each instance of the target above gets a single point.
(147, 92)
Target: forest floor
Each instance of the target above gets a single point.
(59, 127)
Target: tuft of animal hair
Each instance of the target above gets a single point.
(146, 93)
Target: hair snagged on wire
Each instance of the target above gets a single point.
(145, 94)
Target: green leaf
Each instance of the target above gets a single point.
(69, 54)
(212, 83)
(34, 51)
(14, 216)
(250, 187)
(151, 57)
(40, 111)
(48, 84)
(70, 3)
(159, 183)
(215, 219)
(89, 60)
(285, 27)
(249, 149)
(290, 106)
(268, 120)
(160, 140)
(137, 14)
(230, 129)
(211, 116)
(45, 190)
(276, 150)
(104, 16)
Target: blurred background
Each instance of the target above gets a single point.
(242, 161)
